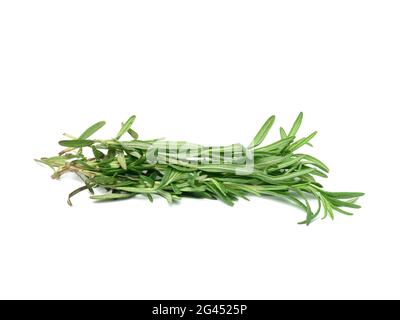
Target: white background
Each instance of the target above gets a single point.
(208, 72)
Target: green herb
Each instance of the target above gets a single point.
(123, 169)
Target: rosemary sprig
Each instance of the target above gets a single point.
(122, 170)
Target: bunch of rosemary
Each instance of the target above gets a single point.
(123, 169)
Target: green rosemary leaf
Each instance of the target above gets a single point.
(218, 194)
(327, 209)
(125, 127)
(283, 133)
(97, 153)
(136, 189)
(266, 162)
(217, 168)
(112, 196)
(121, 160)
(149, 181)
(219, 186)
(344, 195)
(135, 145)
(288, 197)
(247, 188)
(278, 145)
(92, 130)
(316, 172)
(166, 195)
(198, 189)
(287, 163)
(57, 161)
(298, 144)
(345, 204)
(315, 162)
(170, 176)
(289, 176)
(105, 180)
(259, 138)
(343, 211)
(150, 197)
(296, 125)
(133, 134)
(76, 143)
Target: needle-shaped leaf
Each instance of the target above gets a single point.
(57, 161)
(287, 163)
(133, 134)
(340, 203)
(315, 162)
(97, 153)
(267, 162)
(92, 130)
(291, 176)
(76, 143)
(248, 188)
(105, 180)
(343, 211)
(121, 160)
(344, 195)
(218, 194)
(276, 146)
(310, 214)
(125, 127)
(166, 195)
(112, 196)
(283, 133)
(316, 172)
(298, 144)
(219, 186)
(136, 189)
(170, 176)
(296, 126)
(260, 136)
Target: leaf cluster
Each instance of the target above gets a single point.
(121, 170)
